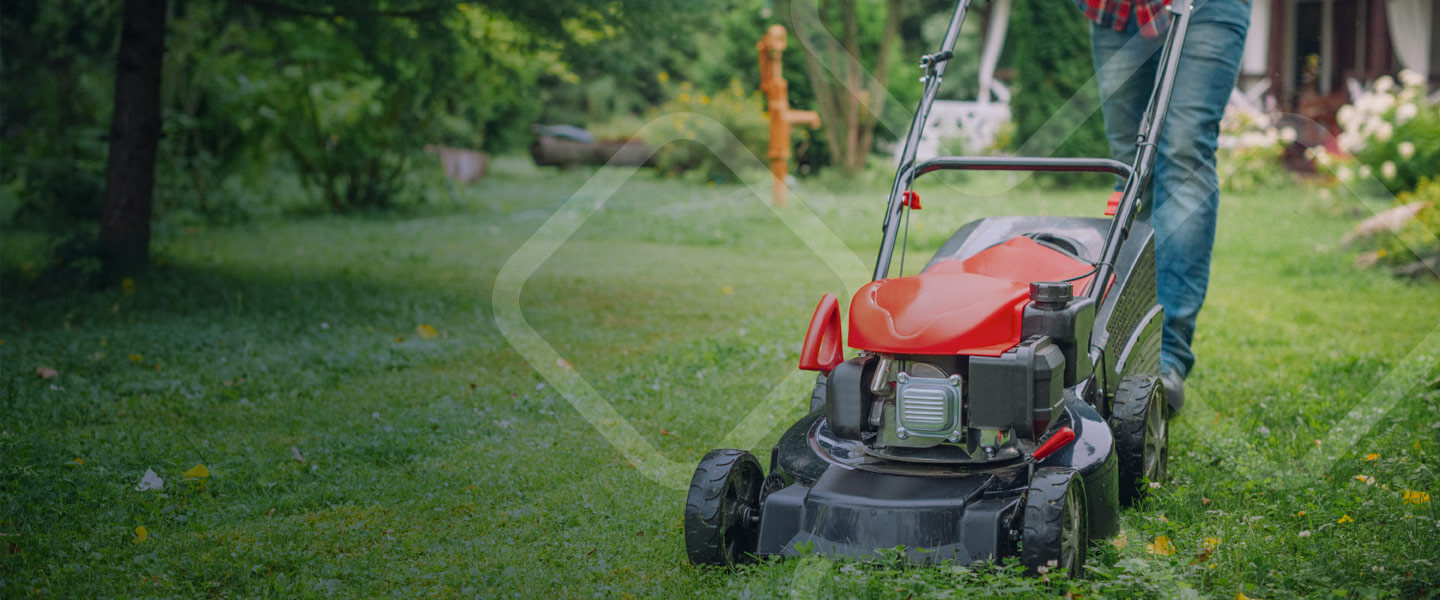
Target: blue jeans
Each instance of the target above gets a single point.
(1185, 197)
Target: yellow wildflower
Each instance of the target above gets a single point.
(1372, 456)
(1161, 546)
(1345, 519)
(1414, 497)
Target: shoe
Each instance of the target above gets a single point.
(1174, 390)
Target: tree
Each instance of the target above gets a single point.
(1052, 58)
(850, 106)
(134, 137)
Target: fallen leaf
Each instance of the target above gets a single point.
(295, 452)
(150, 481)
(425, 331)
(46, 372)
(199, 471)
(140, 534)
(1161, 546)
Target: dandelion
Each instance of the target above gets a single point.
(1406, 149)
(1365, 479)
(663, 77)
(1414, 497)
(1388, 169)
(1372, 456)
(1345, 519)
(1211, 543)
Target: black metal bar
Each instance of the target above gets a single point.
(1147, 140)
(1021, 163)
(934, 66)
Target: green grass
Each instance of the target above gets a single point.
(449, 466)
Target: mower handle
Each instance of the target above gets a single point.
(1022, 163)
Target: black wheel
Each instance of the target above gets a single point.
(817, 397)
(1142, 435)
(1056, 527)
(722, 510)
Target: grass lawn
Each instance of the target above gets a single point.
(371, 429)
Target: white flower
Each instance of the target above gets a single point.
(1405, 112)
(1384, 84)
(1323, 157)
(1288, 135)
(1411, 78)
(1384, 131)
(1407, 150)
(1371, 126)
(1344, 174)
(1305, 534)
(1388, 169)
(1348, 116)
(1364, 171)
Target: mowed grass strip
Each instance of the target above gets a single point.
(437, 461)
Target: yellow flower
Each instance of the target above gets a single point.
(140, 534)
(704, 100)
(1300, 514)
(1372, 456)
(684, 98)
(1366, 479)
(1161, 546)
(1211, 543)
(1345, 519)
(663, 77)
(426, 332)
(127, 285)
(1414, 497)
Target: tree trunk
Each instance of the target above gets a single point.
(134, 138)
(849, 103)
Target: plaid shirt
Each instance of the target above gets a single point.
(1149, 15)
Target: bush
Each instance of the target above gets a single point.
(1052, 63)
(728, 128)
(1419, 240)
(1251, 151)
(1392, 133)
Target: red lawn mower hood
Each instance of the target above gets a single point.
(972, 306)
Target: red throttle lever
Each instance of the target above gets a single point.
(1113, 204)
(1058, 440)
(910, 199)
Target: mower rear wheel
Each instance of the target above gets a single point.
(1142, 435)
(722, 510)
(1057, 528)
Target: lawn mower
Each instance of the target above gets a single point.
(1004, 401)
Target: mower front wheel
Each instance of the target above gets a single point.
(1142, 435)
(722, 510)
(1057, 528)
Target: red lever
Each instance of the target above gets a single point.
(910, 199)
(1113, 204)
(1063, 436)
(822, 349)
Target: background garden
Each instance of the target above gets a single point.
(315, 320)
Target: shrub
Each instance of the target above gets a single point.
(1052, 58)
(728, 128)
(1251, 149)
(1391, 132)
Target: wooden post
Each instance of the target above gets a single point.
(777, 95)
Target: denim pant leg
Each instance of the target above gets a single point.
(1184, 189)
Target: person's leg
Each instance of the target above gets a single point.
(1186, 189)
(1125, 64)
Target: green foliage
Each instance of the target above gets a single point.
(715, 132)
(1418, 241)
(1051, 53)
(57, 69)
